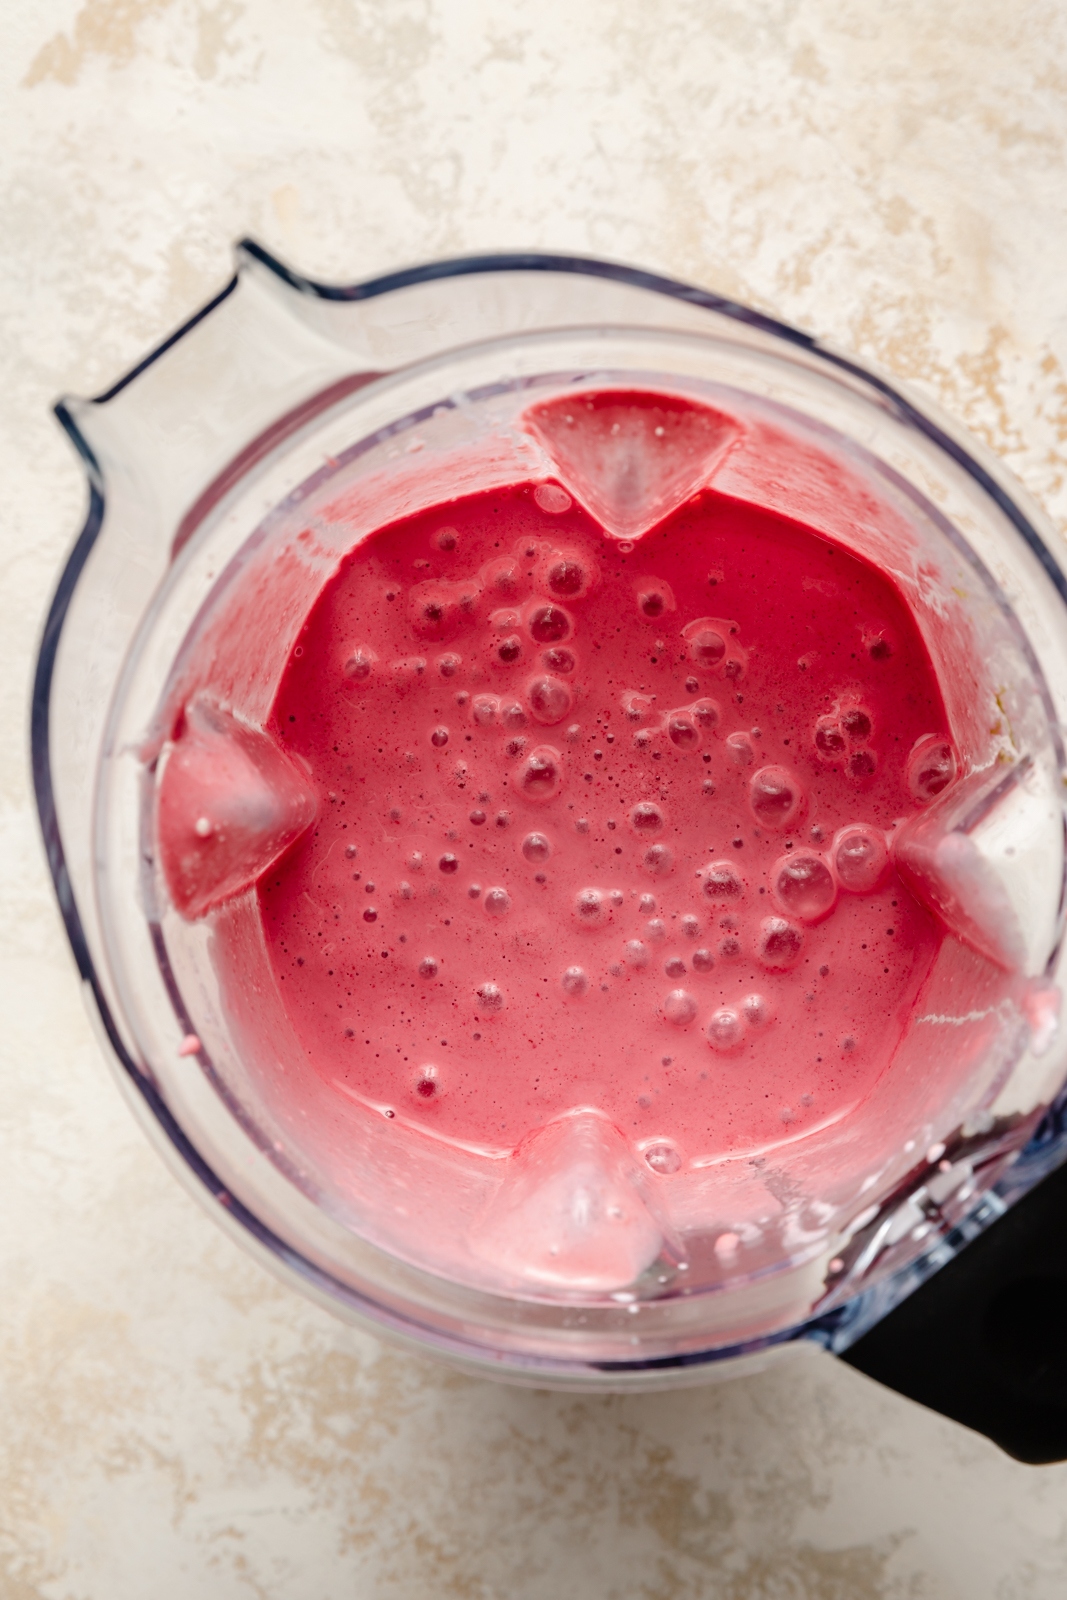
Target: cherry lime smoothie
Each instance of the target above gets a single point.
(599, 823)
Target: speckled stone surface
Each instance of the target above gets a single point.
(891, 177)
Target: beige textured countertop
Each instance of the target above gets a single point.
(894, 177)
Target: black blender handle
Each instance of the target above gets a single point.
(984, 1340)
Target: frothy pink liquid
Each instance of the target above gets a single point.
(605, 824)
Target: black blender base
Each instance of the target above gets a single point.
(984, 1341)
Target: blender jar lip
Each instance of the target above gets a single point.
(837, 1328)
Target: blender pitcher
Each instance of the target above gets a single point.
(921, 1235)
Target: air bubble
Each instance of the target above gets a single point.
(857, 724)
(646, 817)
(663, 1158)
(477, 817)
(548, 624)
(590, 908)
(860, 858)
(656, 928)
(637, 954)
(862, 764)
(512, 715)
(931, 767)
(739, 748)
(510, 649)
(484, 709)
(448, 665)
(706, 645)
(658, 860)
(446, 538)
(448, 862)
(551, 498)
(804, 886)
(550, 700)
(726, 1028)
(755, 1010)
(691, 927)
(351, 852)
(574, 981)
(567, 576)
(730, 947)
(439, 737)
(705, 712)
(779, 943)
(536, 847)
(497, 902)
(775, 796)
(540, 775)
(647, 904)
(682, 731)
(654, 599)
(490, 998)
(674, 967)
(703, 960)
(721, 881)
(559, 659)
(679, 1008)
(829, 738)
(359, 664)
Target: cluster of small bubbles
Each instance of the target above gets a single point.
(536, 847)
(428, 967)
(726, 1028)
(860, 858)
(663, 1158)
(590, 908)
(515, 747)
(674, 967)
(490, 998)
(646, 817)
(497, 902)
(679, 1008)
(774, 796)
(539, 776)
(448, 862)
(721, 881)
(636, 953)
(691, 926)
(804, 886)
(779, 943)
(642, 738)
(550, 700)
(359, 663)
(658, 860)
(931, 767)
(574, 981)
(439, 737)
(739, 748)
(449, 664)
(703, 961)
(549, 624)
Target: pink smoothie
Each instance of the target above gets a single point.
(604, 824)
